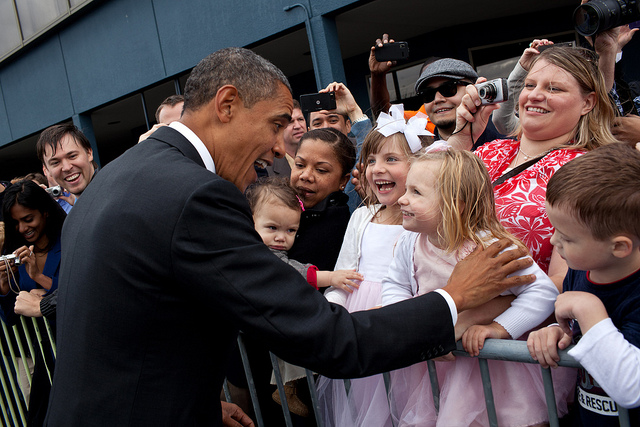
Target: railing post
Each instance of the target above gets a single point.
(251, 384)
(281, 393)
(314, 398)
(550, 397)
(435, 386)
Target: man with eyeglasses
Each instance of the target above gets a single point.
(441, 87)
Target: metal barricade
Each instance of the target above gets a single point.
(21, 344)
(505, 350)
(17, 347)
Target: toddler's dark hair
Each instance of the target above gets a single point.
(265, 189)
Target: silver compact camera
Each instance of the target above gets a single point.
(9, 258)
(55, 191)
(493, 91)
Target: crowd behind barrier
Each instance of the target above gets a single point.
(16, 351)
(404, 242)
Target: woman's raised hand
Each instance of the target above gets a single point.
(531, 52)
(470, 111)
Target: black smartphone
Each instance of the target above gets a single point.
(397, 51)
(318, 101)
(564, 44)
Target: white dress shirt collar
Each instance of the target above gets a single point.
(197, 144)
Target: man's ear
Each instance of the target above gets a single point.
(225, 102)
(622, 246)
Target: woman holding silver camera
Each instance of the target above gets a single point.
(564, 112)
(33, 225)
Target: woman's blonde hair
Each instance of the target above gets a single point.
(594, 128)
(467, 203)
(373, 143)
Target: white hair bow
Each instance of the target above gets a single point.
(394, 122)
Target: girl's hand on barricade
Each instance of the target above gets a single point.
(344, 279)
(474, 337)
(543, 345)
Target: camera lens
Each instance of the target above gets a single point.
(488, 92)
(596, 16)
(587, 19)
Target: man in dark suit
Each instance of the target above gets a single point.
(162, 266)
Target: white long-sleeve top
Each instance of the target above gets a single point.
(504, 118)
(349, 256)
(533, 304)
(612, 360)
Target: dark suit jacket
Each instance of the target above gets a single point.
(279, 168)
(162, 266)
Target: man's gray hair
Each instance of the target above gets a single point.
(255, 78)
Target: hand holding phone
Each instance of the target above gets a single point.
(318, 101)
(396, 51)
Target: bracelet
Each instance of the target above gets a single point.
(360, 119)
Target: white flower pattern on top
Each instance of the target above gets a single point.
(520, 199)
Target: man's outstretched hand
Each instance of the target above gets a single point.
(482, 275)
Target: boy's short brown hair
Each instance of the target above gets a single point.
(601, 188)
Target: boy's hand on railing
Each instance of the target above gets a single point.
(585, 307)
(543, 345)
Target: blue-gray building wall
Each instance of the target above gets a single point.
(120, 46)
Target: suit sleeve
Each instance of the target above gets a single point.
(219, 257)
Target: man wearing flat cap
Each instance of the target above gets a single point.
(441, 87)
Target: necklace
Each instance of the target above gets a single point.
(527, 157)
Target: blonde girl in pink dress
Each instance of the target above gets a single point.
(448, 210)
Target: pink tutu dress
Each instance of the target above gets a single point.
(367, 403)
(517, 387)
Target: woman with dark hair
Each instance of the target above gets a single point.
(33, 224)
(320, 173)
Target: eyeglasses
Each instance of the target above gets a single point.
(447, 90)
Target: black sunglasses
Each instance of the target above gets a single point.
(447, 89)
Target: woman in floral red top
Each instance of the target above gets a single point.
(564, 111)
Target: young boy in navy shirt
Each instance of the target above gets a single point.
(593, 203)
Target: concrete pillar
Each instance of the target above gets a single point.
(326, 45)
(83, 122)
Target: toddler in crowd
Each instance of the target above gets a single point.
(276, 212)
(448, 211)
(593, 202)
(368, 247)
